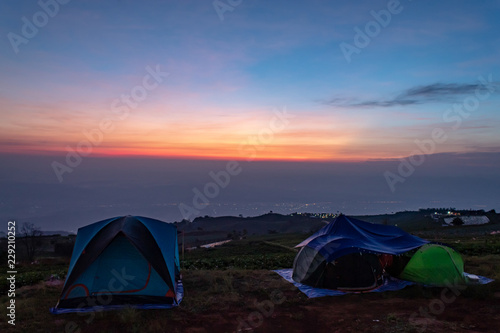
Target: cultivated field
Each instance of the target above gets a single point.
(232, 288)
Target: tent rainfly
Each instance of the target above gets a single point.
(352, 255)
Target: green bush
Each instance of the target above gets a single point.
(29, 278)
(477, 249)
(263, 261)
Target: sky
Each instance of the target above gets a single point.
(281, 85)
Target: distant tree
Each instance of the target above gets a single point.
(63, 249)
(233, 235)
(493, 216)
(30, 237)
(457, 221)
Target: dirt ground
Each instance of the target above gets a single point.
(358, 313)
(261, 301)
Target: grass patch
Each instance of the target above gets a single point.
(28, 274)
(229, 282)
(259, 253)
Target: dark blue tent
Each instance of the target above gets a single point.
(346, 254)
(123, 261)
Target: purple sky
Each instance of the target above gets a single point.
(124, 107)
(104, 187)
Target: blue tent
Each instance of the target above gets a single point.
(346, 254)
(128, 261)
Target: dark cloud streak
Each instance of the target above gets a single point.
(436, 92)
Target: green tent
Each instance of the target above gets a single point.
(435, 265)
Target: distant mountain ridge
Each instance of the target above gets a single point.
(44, 233)
(219, 228)
(263, 224)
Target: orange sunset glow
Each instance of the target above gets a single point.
(121, 107)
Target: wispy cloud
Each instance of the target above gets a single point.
(431, 93)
